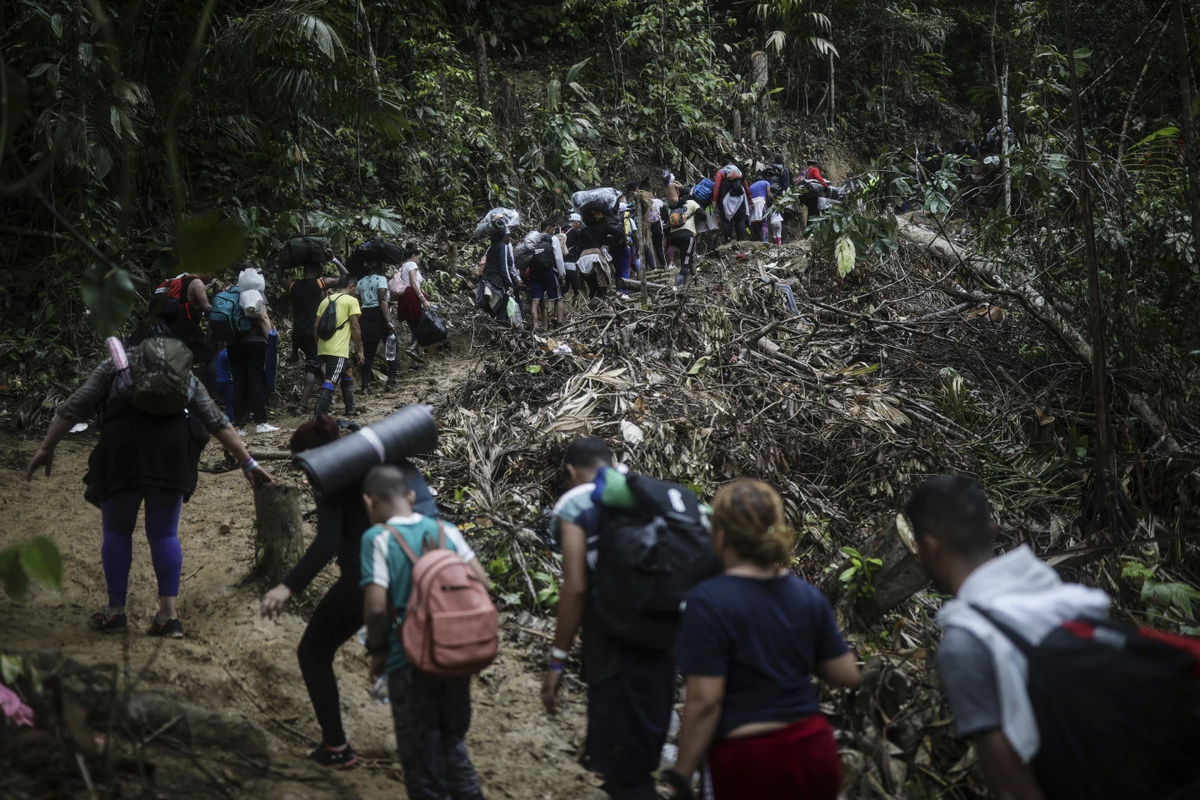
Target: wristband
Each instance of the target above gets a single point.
(250, 465)
(558, 655)
(556, 666)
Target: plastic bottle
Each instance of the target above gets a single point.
(117, 351)
(391, 349)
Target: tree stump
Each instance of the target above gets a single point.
(895, 581)
(279, 529)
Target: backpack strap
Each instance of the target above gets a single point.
(408, 551)
(1019, 641)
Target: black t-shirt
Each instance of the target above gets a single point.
(306, 295)
(765, 637)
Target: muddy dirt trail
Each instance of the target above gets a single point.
(232, 660)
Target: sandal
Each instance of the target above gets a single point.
(101, 621)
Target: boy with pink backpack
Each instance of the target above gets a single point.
(430, 626)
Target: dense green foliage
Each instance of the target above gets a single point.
(125, 118)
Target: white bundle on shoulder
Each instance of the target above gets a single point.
(252, 284)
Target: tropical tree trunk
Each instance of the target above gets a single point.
(481, 72)
(1189, 126)
(760, 69)
(1004, 140)
(372, 64)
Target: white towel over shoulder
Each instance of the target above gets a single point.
(1032, 597)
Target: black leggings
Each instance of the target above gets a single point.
(370, 350)
(737, 223)
(658, 252)
(338, 617)
(248, 362)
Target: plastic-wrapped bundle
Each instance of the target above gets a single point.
(524, 250)
(497, 219)
(409, 432)
(596, 200)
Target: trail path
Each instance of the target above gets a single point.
(232, 660)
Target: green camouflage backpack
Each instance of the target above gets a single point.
(161, 373)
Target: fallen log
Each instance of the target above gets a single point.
(1033, 302)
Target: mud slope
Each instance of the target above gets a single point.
(234, 661)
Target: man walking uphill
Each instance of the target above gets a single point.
(1061, 703)
(630, 692)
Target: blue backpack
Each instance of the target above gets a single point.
(702, 192)
(227, 320)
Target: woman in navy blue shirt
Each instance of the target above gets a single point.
(752, 638)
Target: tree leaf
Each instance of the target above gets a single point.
(10, 668)
(847, 574)
(12, 577)
(41, 561)
(56, 24)
(534, 369)
(109, 298)
(207, 244)
(845, 254)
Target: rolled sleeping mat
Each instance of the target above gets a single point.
(409, 432)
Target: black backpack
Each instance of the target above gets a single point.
(301, 251)
(1117, 707)
(328, 324)
(541, 258)
(648, 559)
(774, 176)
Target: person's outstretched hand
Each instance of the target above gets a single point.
(259, 476)
(274, 600)
(42, 458)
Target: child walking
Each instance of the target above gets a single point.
(431, 714)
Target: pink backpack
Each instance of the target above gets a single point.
(451, 628)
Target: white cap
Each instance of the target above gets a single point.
(576, 218)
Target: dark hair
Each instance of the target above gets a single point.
(314, 433)
(630, 187)
(587, 452)
(779, 157)
(386, 481)
(548, 223)
(412, 250)
(750, 515)
(954, 510)
(346, 280)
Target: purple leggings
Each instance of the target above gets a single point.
(119, 517)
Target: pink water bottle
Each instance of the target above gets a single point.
(117, 351)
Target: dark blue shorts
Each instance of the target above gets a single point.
(543, 284)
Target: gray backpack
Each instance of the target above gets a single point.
(160, 372)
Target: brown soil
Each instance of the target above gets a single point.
(232, 660)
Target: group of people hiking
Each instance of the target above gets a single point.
(601, 247)
(236, 352)
(1059, 701)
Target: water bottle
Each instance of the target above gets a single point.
(117, 351)
(391, 348)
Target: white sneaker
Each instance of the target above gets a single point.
(265, 427)
(242, 432)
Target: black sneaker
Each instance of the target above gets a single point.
(326, 757)
(171, 629)
(114, 624)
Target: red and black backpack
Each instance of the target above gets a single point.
(172, 296)
(1117, 708)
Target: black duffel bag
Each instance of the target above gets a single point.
(302, 250)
